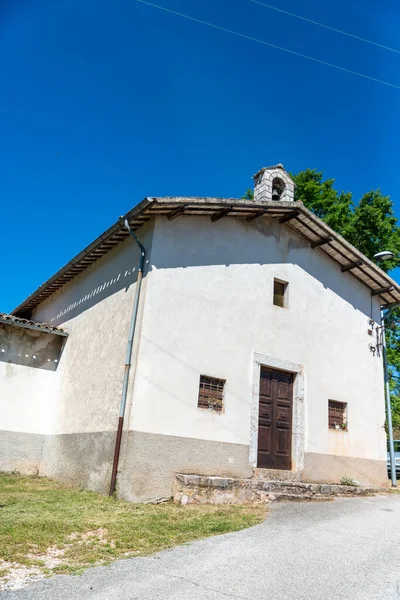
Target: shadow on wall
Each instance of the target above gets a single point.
(115, 271)
(36, 349)
(195, 241)
(262, 241)
(94, 295)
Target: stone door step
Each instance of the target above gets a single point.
(203, 489)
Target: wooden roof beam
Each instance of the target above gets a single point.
(352, 265)
(382, 291)
(292, 215)
(321, 242)
(221, 213)
(257, 214)
(176, 212)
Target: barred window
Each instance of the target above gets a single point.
(337, 415)
(211, 393)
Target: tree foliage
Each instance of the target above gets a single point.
(393, 355)
(371, 226)
(249, 195)
(323, 200)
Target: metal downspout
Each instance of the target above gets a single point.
(128, 358)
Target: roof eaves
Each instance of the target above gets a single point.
(28, 324)
(350, 246)
(295, 214)
(85, 253)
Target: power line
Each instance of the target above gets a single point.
(356, 37)
(253, 39)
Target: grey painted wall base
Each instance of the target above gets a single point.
(147, 467)
(82, 459)
(21, 452)
(149, 462)
(327, 468)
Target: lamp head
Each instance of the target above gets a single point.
(384, 255)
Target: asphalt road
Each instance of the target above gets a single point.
(347, 549)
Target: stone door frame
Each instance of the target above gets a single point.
(298, 418)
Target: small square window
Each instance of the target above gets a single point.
(280, 293)
(211, 393)
(337, 415)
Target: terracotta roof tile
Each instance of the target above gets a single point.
(27, 324)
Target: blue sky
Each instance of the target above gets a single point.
(103, 103)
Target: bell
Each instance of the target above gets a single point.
(275, 194)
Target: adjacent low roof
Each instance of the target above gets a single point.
(294, 214)
(27, 324)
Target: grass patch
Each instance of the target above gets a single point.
(53, 528)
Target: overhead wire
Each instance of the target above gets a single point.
(253, 39)
(356, 37)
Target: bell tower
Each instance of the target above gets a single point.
(273, 183)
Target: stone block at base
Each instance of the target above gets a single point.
(199, 489)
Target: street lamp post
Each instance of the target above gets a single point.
(385, 255)
(388, 405)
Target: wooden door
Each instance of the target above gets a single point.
(275, 419)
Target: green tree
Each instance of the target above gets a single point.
(393, 356)
(323, 200)
(373, 227)
(370, 225)
(249, 195)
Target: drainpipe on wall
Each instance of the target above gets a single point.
(128, 358)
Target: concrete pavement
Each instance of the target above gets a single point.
(346, 549)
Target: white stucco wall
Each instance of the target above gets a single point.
(95, 308)
(27, 399)
(209, 309)
(28, 362)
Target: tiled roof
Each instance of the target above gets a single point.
(293, 214)
(27, 324)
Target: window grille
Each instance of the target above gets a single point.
(337, 415)
(211, 393)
